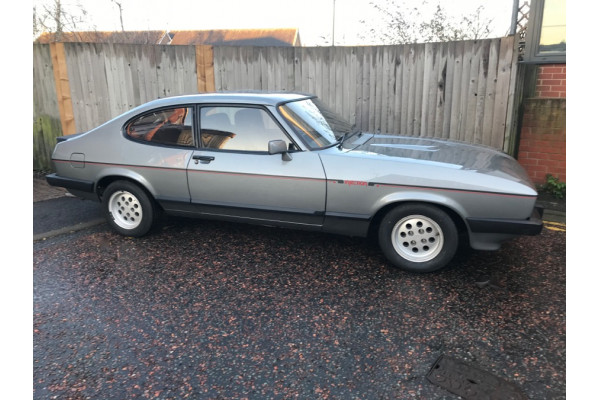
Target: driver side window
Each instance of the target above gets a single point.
(238, 128)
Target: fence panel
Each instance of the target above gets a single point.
(456, 90)
(46, 116)
(108, 79)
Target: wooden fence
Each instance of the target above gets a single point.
(456, 90)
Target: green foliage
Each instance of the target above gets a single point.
(555, 187)
(45, 131)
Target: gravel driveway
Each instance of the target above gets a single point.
(206, 309)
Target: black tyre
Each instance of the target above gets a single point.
(418, 237)
(128, 208)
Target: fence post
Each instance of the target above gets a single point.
(63, 90)
(205, 68)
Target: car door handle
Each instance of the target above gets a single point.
(203, 158)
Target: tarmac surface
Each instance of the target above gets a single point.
(204, 309)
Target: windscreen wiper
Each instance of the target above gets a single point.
(347, 135)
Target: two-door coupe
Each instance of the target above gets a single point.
(284, 159)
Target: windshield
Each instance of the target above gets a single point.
(314, 123)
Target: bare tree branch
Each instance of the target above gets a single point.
(55, 18)
(402, 24)
(119, 4)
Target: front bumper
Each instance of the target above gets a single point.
(530, 226)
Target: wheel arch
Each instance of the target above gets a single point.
(112, 176)
(452, 212)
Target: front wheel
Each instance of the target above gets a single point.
(128, 209)
(418, 237)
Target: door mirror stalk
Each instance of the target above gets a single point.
(280, 147)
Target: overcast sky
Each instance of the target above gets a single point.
(314, 18)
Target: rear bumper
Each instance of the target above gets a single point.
(530, 226)
(70, 183)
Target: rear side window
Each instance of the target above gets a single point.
(238, 128)
(167, 126)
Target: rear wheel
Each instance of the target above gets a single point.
(128, 209)
(418, 237)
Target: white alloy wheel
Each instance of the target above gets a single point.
(417, 238)
(126, 209)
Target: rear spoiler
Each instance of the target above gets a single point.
(67, 137)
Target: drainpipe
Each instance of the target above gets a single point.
(515, 15)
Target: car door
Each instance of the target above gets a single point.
(233, 175)
(161, 143)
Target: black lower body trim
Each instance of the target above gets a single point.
(347, 224)
(70, 183)
(343, 224)
(531, 226)
(239, 211)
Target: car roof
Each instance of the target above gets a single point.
(246, 97)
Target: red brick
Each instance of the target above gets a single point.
(560, 173)
(549, 150)
(537, 177)
(527, 162)
(528, 115)
(529, 173)
(549, 164)
(525, 143)
(536, 153)
(526, 132)
(542, 156)
(559, 168)
(527, 167)
(542, 147)
(538, 168)
(552, 70)
(562, 168)
(526, 128)
(540, 143)
(558, 146)
(527, 120)
(551, 82)
(549, 94)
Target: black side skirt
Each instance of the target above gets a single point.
(349, 225)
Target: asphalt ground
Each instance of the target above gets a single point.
(204, 309)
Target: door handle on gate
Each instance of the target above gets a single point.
(203, 158)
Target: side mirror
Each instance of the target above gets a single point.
(280, 147)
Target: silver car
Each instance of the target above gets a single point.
(284, 159)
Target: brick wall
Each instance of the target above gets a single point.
(542, 148)
(551, 81)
